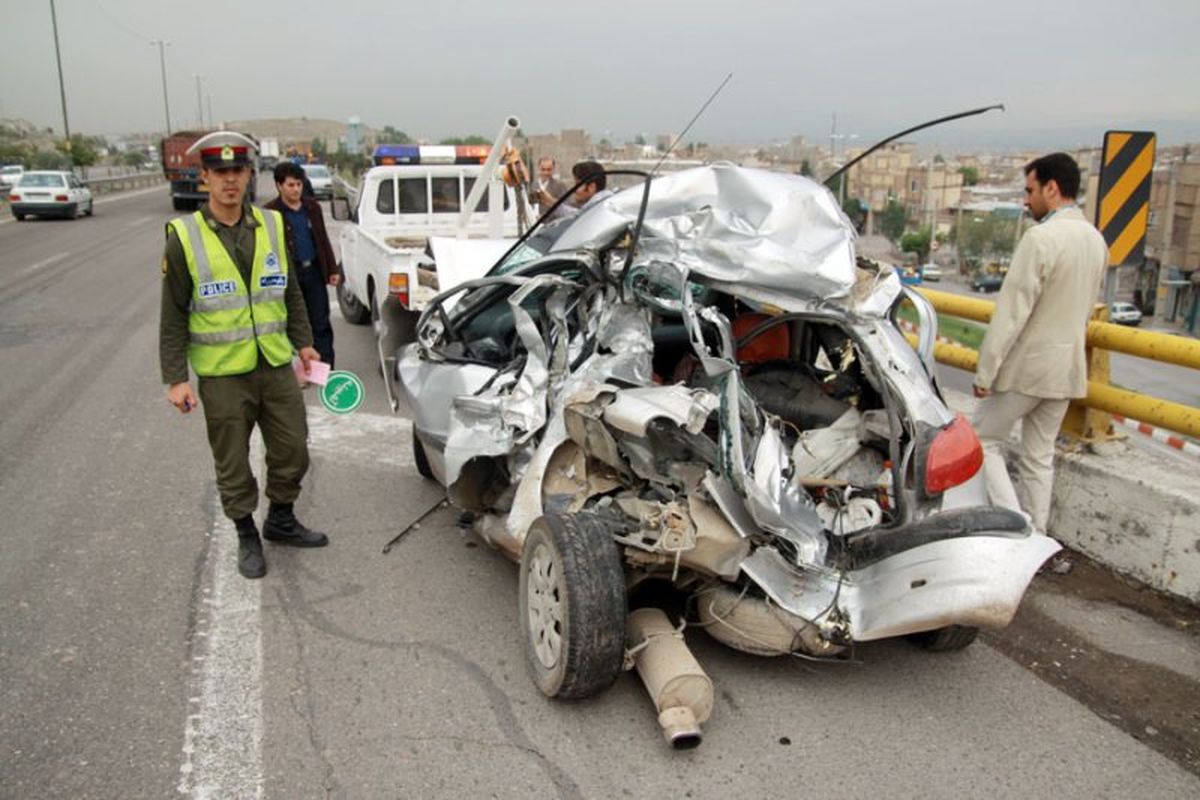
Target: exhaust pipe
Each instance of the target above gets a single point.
(681, 692)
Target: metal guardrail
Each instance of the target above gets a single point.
(121, 182)
(1088, 418)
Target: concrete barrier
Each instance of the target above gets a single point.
(1134, 511)
(122, 183)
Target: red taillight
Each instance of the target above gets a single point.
(62, 198)
(14, 197)
(954, 456)
(398, 287)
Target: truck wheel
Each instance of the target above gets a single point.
(353, 311)
(573, 606)
(419, 457)
(945, 640)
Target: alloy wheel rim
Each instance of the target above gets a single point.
(544, 605)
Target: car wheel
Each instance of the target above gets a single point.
(945, 640)
(87, 212)
(19, 217)
(72, 212)
(419, 457)
(572, 596)
(353, 311)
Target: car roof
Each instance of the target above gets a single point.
(49, 172)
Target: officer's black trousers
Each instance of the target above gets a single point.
(268, 397)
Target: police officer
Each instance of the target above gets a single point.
(232, 309)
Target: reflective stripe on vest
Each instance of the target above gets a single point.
(229, 325)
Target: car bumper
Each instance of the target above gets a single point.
(35, 209)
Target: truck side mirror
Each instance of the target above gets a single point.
(340, 208)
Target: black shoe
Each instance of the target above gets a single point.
(282, 527)
(251, 563)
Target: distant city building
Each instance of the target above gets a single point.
(354, 135)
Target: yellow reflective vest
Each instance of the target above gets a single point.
(229, 322)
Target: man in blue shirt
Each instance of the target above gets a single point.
(309, 251)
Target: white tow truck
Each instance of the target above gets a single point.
(425, 219)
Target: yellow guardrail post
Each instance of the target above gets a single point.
(1084, 422)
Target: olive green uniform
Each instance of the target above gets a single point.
(265, 396)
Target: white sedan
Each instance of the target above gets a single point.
(321, 180)
(50, 194)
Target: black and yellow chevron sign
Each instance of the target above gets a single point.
(1124, 206)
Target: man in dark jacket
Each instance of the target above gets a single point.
(309, 251)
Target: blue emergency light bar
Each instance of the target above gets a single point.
(388, 154)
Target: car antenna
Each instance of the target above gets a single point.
(906, 132)
(688, 127)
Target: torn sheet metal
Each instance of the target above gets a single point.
(748, 226)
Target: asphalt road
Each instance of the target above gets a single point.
(135, 663)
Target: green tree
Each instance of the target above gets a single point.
(970, 175)
(390, 135)
(806, 168)
(472, 139)
(133, 158)
(319, 148)
(50, 159)
(82, 150)
(893, 220)
(854, 209)
(986, 236)
(916, 242)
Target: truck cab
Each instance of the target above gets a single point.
(409, 238)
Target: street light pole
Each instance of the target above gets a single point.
(199, 102)
(208, 99)
(62, 92)
(162, 65)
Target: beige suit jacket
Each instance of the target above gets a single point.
(1034, 344)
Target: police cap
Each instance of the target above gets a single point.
(221, 149)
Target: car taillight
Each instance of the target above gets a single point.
(398, 287)
(14, 197)
(954, 456)
(62, 198)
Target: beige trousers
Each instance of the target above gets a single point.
(1040, 420)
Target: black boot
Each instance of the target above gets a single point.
(282, 527)
(250, 555)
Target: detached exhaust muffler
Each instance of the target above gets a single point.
(681, 691)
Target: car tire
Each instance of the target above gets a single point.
(353, 311)
(18, 217)
(72, 212)
(419, 457)
(572, 605)
(87, 212)
(945, 640)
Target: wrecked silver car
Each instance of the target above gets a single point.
(697, 384)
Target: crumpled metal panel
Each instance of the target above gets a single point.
(744, 226)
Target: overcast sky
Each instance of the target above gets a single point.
(1066, 70)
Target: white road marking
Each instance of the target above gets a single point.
(141, 221)
(45, 262)
(222, 741)
(362, 438)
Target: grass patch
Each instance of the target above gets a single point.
(964, 332)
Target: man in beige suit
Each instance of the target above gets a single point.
(1032, 360)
